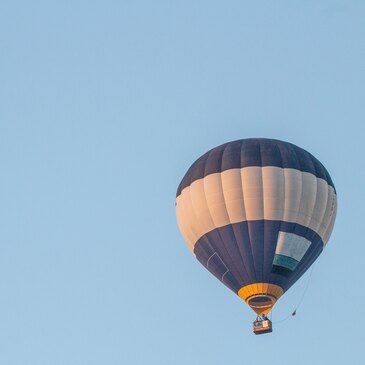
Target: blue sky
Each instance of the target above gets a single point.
(103, 107)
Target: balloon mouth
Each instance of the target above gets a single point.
(261, 304)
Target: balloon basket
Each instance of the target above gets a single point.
(262, 325)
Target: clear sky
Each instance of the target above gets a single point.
(103, 107)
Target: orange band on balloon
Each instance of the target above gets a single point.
(261, 297)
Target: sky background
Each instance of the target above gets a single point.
(103, 107)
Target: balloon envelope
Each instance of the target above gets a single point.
(256, 213)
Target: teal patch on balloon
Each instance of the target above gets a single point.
(285, 261)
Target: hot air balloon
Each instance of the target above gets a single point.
(257, 213)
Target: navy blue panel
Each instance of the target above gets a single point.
(270, 154)
(217, 261)
(280, 270)
(214, 160)
(254, 152)
(243, 243)
(242, 253)
(271, 232)
(231, 155)
(256, 235)
(250, 153)
(289, 158)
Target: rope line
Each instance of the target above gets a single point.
(300, 301)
